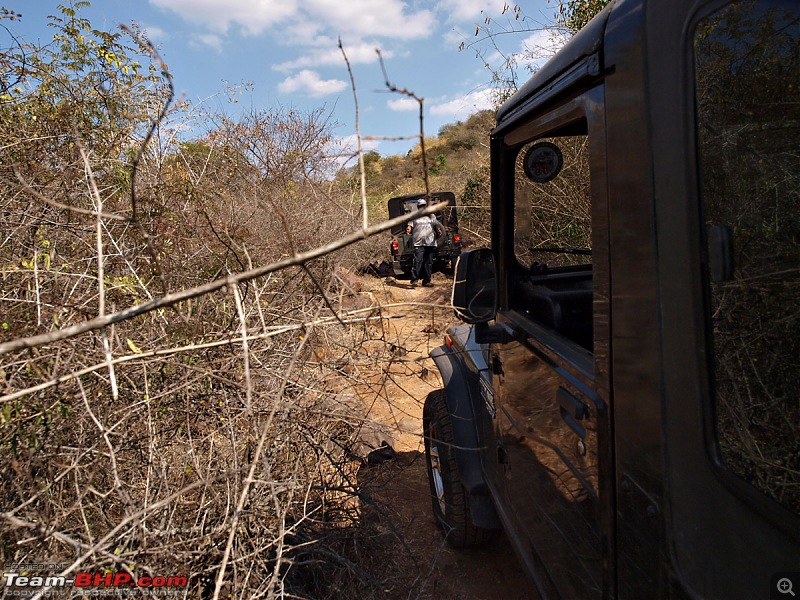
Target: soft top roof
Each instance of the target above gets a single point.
(585, 43)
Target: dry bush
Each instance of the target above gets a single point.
(200, 438)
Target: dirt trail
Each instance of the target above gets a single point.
(394, 401)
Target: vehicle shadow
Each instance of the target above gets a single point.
(396, 511)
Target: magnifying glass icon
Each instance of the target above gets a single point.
(785, 586)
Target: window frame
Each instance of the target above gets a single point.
(582, 112)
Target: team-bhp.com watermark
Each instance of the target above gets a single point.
(19, 583)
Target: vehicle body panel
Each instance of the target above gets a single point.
(627, 415)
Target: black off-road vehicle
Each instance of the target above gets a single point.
(448, 245)
(623, 399)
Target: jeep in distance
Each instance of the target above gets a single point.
(448, 245)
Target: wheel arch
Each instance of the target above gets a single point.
(458, 393)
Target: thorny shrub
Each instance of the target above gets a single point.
(199, 439)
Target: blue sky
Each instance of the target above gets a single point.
(288, 50)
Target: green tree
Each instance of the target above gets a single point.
(573, 15)
(86, 88)
(509, 69)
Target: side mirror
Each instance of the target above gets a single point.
(475, 286)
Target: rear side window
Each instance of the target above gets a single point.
(747, 71)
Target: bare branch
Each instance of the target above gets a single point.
(26, 186)
(228, 341)
(171, 299)
(245, 349)
(250, 479)
(362, 171)
(393, 88)
(148, 239)
(101, 284)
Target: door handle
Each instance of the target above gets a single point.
(571, 405)
(572, 410)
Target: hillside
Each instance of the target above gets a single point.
(457, 160)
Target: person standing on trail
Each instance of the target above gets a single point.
(423, 231)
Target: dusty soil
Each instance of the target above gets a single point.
(424, 566)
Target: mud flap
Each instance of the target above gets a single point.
(468, 459)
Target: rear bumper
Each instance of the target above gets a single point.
(402, 263)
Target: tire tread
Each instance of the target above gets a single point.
(457, 524)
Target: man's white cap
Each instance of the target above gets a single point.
(421, 202)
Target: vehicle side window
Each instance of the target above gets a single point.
(747, 72)
(553, 235)
(552, 208)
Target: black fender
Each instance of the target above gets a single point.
(456, 379)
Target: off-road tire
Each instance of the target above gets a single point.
(450, 499)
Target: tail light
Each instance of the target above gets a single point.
(457, 240)
(395, 248)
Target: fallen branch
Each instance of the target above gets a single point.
(218, 284)
(278, 330)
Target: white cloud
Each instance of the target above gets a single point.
(538, 47)
(254, 16)
(403, 104)
(211, 40)
(454, 38)
(342, 151)
(154, 33)
(461, 108)
(466, 10)
(361, 53)
(530, 53)
(389, 18)
(309, 82)
(349, 144)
